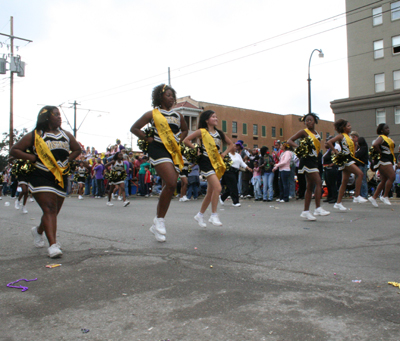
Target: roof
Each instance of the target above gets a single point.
(185, 104)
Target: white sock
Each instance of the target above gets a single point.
(200, 214)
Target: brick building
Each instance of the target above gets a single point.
(255, 128)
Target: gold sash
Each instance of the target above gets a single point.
(317, 144)
(350, 143)
(390, 143)
(47, 158)
(216, 160)
(167, 137)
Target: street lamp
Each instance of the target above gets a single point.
(320, 55)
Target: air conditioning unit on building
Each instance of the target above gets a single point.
(3, 66)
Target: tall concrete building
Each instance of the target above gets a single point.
(373, 44)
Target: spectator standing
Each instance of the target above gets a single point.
(276, 153)
(142, 173)
(193, 182)
(283, 165)
(267, 164)
(99, 176)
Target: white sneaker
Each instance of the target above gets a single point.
(80, 197)
(37, 238)
(321, 211)
(126, 203)
(220, 201)
(1, 198)
(237, 205)
(159, 225)
(54, 251)
(359, 200)
(214, 219)
(278, 200)
(120, 198)
(307, 215)
(373, 202)
(159, 237)
(31, 199)
(282, 200)
(24, 210)
(184, 198)
(339, 206)
(109, 203)
(17, 204)
(200, 220)
(385, 200)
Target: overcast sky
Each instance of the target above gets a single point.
(109, 54)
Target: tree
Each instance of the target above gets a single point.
(5, 145)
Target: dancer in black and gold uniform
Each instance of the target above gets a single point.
(211, 162)
(164, 151)
(117, 179)
(309, 166)
(82, 173)
(343, 127)
(385, 146)
(52, 149)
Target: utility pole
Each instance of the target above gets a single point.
(75, 104)
(12, 37)
(169, 76)
(75, 129)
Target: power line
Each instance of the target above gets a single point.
(354, 11)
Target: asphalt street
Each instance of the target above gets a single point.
(266, 274)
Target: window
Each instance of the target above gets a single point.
(380, 82)
(321, 134)
(396, 44)
(273, 134)
(378, 49)
(280, 131)
(234, 127)
(224, 126)
(395, 10)
(263, 131)
(380, 116)
(377, 16)
(255, 146)
(244, 128)
(255, 129)
(396, 79)
(397, 115)
(327, 135)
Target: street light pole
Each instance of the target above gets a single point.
(321, 55)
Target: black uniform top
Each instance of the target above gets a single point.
(174, 121)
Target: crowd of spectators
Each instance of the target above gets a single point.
(268, 175)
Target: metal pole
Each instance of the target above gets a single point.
(169, 76)
(75, 119)
(309, 79)
(11, 142)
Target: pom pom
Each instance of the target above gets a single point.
(340, 159)
(22, 167)
(228, 162)
(190, 154)
(374, 154)
(71, 167)
(142, 144)
(305, 148)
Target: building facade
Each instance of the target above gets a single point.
(255, 128)
(373, 44)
